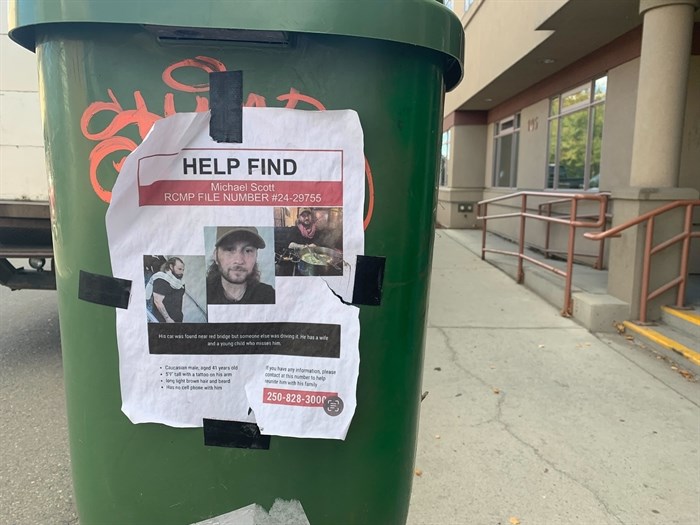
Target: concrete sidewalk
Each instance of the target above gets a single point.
(532, 419)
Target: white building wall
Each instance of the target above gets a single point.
(456, 201)
(532, 153)
(690, 157)
(496, 38)
(618, 127)
(22, 161)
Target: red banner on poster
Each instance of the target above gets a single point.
(241, 193)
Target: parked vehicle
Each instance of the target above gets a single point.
(25, 233)
(26, 253)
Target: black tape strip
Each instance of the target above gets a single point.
(234, 434)
(226, 105)
(369, 278)
(105, 290)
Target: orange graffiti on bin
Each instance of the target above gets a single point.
(207, 64)
(255, 101)
(97, 155)
(109, 141)
(294, 97)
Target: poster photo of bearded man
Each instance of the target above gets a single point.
(241, 265)
(175, 291)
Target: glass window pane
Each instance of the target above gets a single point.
(573, 162)
(446, 144)
(572, 153)
(445, 155)
(598, 118)
(514, 161)
(504, 154)
(552, 154)
(575, 97)
(601, 87)
(554, 106)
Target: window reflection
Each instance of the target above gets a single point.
(505, 166)
(596, 145)
(600, 89)
(445, 157)
(576, 97)
(572, 149)
(575, 136)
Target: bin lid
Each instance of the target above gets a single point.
(425, 23)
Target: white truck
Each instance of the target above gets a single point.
(25, 225)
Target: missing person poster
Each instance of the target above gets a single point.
(242, 260)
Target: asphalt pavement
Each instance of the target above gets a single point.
(529, 418)
(35, 477)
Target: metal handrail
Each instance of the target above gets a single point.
(685, 236)
(546, 207)
(573, 224)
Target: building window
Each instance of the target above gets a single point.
(445, 157)
(467, 4)
(450, 4)
(505, 148)
(575, 136)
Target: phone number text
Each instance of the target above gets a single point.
(302, 398)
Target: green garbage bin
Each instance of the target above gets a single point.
(107, 71)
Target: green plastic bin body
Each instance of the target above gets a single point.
(154, 474)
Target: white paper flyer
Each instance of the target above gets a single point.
(239, 255)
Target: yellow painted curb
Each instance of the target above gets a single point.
(687, 315)
(666, 342)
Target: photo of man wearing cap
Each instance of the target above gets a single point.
(304, 233)
(234, 275)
